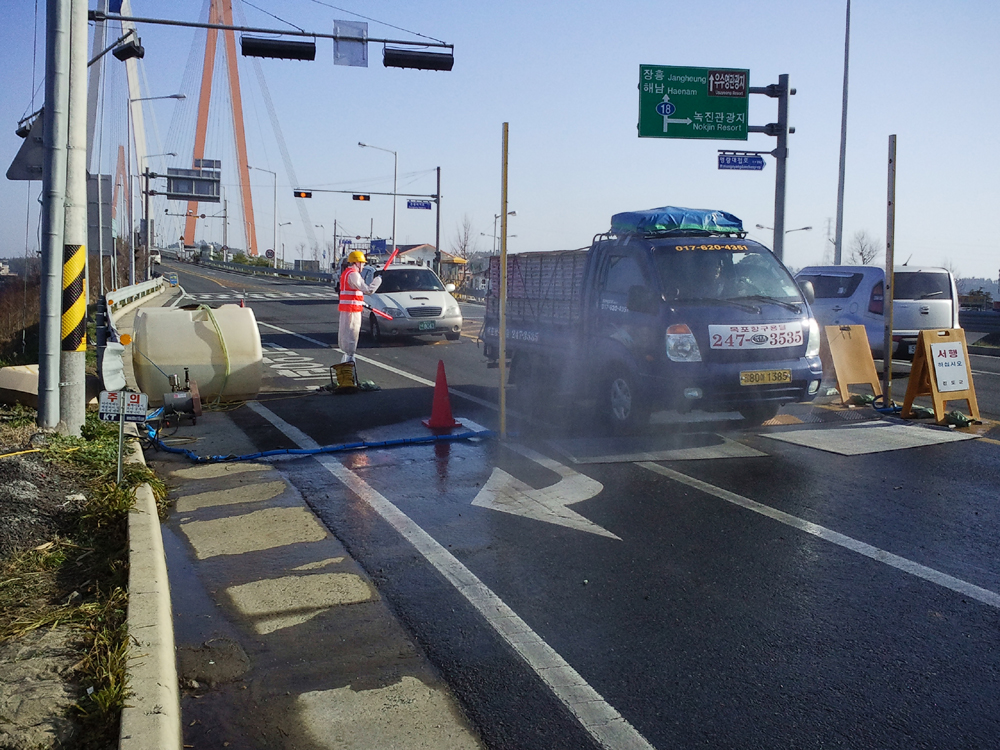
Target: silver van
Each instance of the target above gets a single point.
(924, 298)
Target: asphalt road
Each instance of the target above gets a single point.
(701, 585)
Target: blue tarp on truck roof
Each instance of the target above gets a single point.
(674, 219)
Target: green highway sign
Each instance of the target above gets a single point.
(677, 102)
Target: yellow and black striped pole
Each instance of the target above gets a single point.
(74, 299)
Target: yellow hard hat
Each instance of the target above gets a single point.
(356, 256)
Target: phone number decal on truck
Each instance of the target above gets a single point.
(768, 336)
(514, 334)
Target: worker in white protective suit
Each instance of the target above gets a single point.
(352, 297)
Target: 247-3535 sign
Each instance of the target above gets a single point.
(679, 102)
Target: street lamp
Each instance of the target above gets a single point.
(495, 218)
(282, 224)
(395, 163)
(128, 142)
(799, 229)
(320, 226)
(274, 219)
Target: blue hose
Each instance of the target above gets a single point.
(151, 433)
(892, 408)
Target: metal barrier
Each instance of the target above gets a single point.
(979, 321)
(118, 298)
(286, 273)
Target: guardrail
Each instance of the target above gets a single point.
(118, 298)
(287, 273)
(979, 321)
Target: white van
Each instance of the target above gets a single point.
(924, 298)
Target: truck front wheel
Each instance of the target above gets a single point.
(621, 402)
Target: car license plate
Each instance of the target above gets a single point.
(426, 325)
(765, 377)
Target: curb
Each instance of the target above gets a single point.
(152, 717)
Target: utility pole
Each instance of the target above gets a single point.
(437, 228)
(838, 252)
(780, 130)
(55, 122)
(72, 364)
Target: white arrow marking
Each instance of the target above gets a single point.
(508, 494)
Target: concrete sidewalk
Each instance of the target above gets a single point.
(282, 640)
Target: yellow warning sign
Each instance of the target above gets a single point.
(941, 370)
(852, 359)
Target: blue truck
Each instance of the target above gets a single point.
(672, 308)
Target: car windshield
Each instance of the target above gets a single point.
(409, 280)
(723, 270)
(831, 286)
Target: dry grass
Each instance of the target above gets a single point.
(80, 578)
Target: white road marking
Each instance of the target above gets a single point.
(599, 718)
(299, 335)
(900, 563)
(390, 368)
(508, 494)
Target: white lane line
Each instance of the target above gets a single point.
(984, 372)
(390, 368)
(608, 727)
(178, 300)
(299, 335)
(880, 555)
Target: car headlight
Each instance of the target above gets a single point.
(681, 344)
(812, 347)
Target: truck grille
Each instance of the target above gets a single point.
(423, 312)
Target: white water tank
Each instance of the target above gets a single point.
(220, 348)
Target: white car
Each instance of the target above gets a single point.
(418, 302)
(924, 298)
(155, 258)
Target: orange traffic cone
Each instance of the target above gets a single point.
(441, 418)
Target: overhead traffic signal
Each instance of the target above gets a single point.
(362, 197)
(286, 49)
(302, 193)
(393, 57)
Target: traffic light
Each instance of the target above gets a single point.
(419, 59)
(362, 197)
(302, 193)
(281, 48)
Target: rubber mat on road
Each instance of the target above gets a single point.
(869, 437)
(627, 450)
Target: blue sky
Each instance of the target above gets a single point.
(564, 77)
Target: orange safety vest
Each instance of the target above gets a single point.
(351, 300)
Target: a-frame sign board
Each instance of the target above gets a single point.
(851, 356)
(941, 370)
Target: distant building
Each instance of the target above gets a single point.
(452, 267)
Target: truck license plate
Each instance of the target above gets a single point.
(426, 325)
(765, 377)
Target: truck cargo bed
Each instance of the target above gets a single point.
(541, 287)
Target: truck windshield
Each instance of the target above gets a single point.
(702, 271)
(415, 280)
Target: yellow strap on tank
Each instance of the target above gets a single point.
(225, 351)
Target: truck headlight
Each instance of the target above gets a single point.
(681, 344)
(812, 347)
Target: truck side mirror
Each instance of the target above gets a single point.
(641, 299)
(807, 291)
